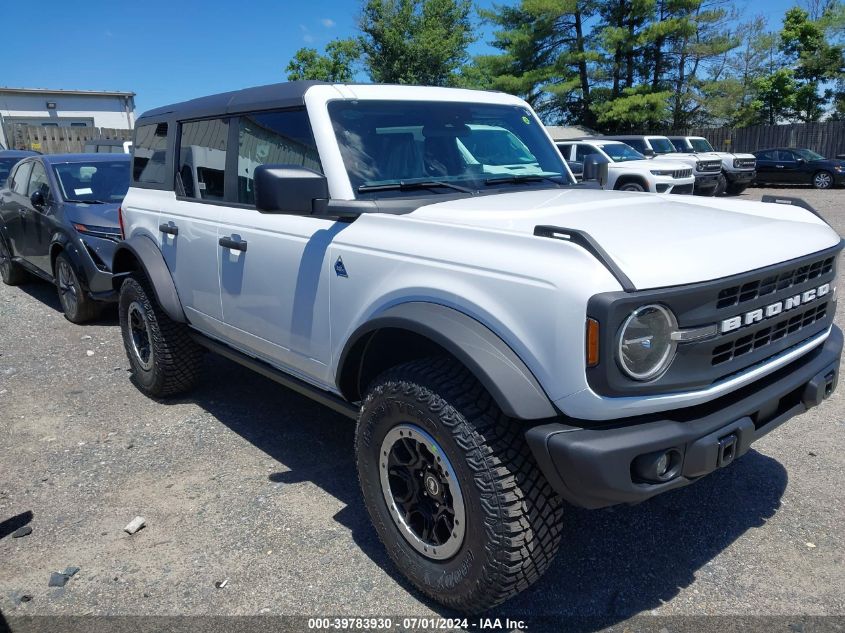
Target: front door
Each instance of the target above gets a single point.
(274, 268)
(37, 222)
(14, 207)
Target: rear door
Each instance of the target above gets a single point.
(787, 167)
(766, 169)
(274, 284)
(15, 206)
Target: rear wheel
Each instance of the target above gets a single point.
(823, 180)
(452, 488)
(77, 306)
(11, 273)
(164, 360)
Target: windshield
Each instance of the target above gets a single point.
(6, 165)
(662, 145)
(808, 154)
(99, 181)
(467, 145)
(620, 152)
(700, 145)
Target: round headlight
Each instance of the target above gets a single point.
(646, 347)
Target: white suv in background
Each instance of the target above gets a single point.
(628, 170)
(707, 168)
(738, 170)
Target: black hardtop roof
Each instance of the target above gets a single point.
(271, 96)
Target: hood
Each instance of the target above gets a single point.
(93, 214)
(644, 165)
(656, 240)
(734, 155)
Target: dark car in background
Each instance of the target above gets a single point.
(59, 221)
(789, 165)
(9, 158)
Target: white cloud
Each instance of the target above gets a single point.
(306, 34)
(327, 22)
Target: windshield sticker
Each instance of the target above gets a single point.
(526, 120)
(86, 191)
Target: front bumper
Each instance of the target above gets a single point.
(706, 184)
(740, 177)
(592, 467)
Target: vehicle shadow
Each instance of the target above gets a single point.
(14, 523)
(613, 563)
(45, 292)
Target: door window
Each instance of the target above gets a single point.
(582, 151)
(202, 158)
(637, 144)
(273, 137)
(38, 181)
(786, 156)
(21, 178)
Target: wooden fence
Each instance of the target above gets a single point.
(827, 138)
(58, 140)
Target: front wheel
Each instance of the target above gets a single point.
(77, 306)
(823, 180)
(734, 188)
(721, 185)
(452, 488)
(631, 186)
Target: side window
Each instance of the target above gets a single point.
(21, 178)
(273, 137)
(679, 144)
(38, 181)
(766, 156)
(565, 151)
(150, 154)
(785, 155)
(582, 151)
(636, 143)
(202, 158)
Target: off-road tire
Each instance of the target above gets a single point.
(176, 360)
(513, 517)
(11, 272)
(736, 188)
(722, 185)
(77, 306)
(823, 179)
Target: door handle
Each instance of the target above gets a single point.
(230, 242)
(169, 228)
(779, 166)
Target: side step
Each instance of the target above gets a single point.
(330, 400)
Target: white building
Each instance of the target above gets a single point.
(65, 108)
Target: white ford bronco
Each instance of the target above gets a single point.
(627, 169)
(738, 170)
(505, 339)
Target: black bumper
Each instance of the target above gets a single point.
(740, 177)
(594, 467)
(706, 185)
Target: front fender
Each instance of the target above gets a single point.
(140, 252)
(508, 380)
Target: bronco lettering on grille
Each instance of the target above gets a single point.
(773, 309)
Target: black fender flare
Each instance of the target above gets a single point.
(63, 244)
(145, 251)
(508, 380)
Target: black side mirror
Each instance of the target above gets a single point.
(290, 189)
(800, 160)
(37, 200)
(577, 168)
(595, 168)
(648, 152)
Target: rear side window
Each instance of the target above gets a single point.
(276, 138)
(202, 158)
(150, 154)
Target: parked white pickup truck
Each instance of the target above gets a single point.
(628, 170)
(502, 341)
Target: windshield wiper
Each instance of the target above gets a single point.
(85, 201)
(404, 186)
(519, 178)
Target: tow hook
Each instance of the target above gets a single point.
(727, 450)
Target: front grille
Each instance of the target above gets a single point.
(710, 165)
(682, 173)
(745, 163)
(752, 290)
(750, 342)
(682, 188)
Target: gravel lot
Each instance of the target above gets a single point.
(247, 482)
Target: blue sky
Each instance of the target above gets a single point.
(168, 51)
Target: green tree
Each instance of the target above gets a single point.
(416, 41)
(337, 65)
